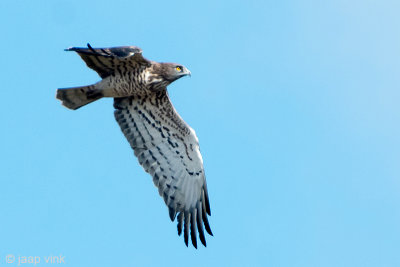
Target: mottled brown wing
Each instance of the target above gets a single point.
(105, 61)
(168, 149)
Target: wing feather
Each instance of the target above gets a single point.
(186, 228)
(200, 224)
(180, 223)
(193, 228)
(105, 61)
(167, 148)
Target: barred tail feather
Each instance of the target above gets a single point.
(76, 97)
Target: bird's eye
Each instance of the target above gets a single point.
(179, 69)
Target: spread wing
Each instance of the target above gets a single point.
(168, 149)
(105, 61)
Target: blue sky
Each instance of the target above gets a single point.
(295, 104)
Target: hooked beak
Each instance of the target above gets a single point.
(187, 73)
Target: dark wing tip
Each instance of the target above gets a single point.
(73, 48)
(203, 241)
(193, 228)
(91, 48)
(77, 49)
(186, 227)
(199, 220)
(118, 51)
(206, 224)
(206, 201)
(172, 213)
(180, 221)
(208, 229)
(192, 222)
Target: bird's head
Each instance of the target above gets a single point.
(172, 71)
(163, 74)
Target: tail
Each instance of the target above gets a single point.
(76, 97)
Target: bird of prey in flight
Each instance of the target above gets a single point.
(166, 147)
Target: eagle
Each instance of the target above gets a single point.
(165, 145)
